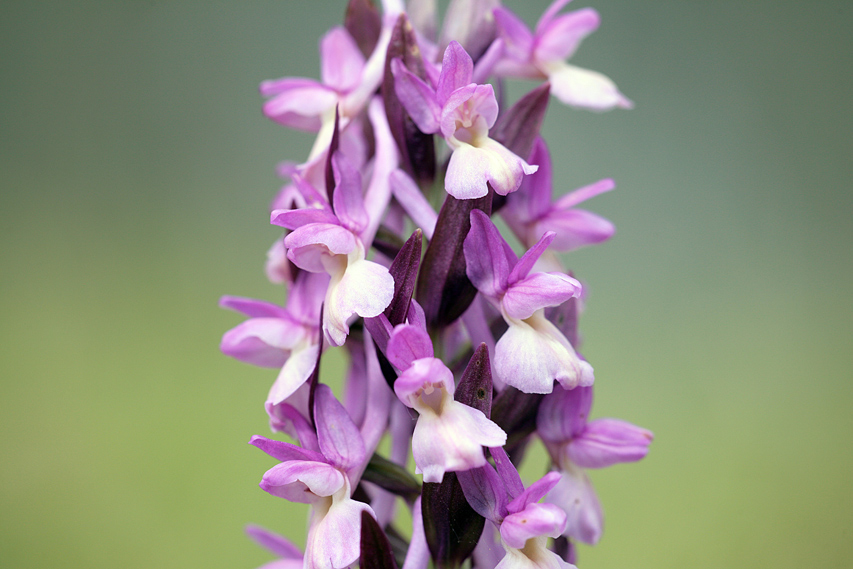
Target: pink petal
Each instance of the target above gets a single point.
(253, 308)
(339, 438)
(534, 492)
(515, 34)
(484, 490)
(582, 194)
(563, 414)
(298, 103)
(285, 452)
(296, 218)
(341, 62)
(488, 258)
(559, 39)
(420, 373)
(456, 71)
(550, 14)
(407, 344)
(348, 198)
(413, 201)
(528, 260)
(538, 291)
(310, 243)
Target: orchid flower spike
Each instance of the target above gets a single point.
(449, 436)
(532, 353)
(325, 479)
(543, 54)
(463, 112)
(575, 444)
(324, 240)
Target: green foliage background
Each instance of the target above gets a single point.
(136, 174)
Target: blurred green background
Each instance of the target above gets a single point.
(136, 174)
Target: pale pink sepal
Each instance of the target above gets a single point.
(585, 88)
(265, 342)
(605, 442)
(290, 555)
(413, 201)
(576, 496)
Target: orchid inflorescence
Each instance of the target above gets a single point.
(462, 354)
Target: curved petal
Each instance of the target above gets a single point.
(308, 245)
(285, 452)
(302, 481)
(538, 291)
(534, 493)
(348, 197)
(585, 89)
